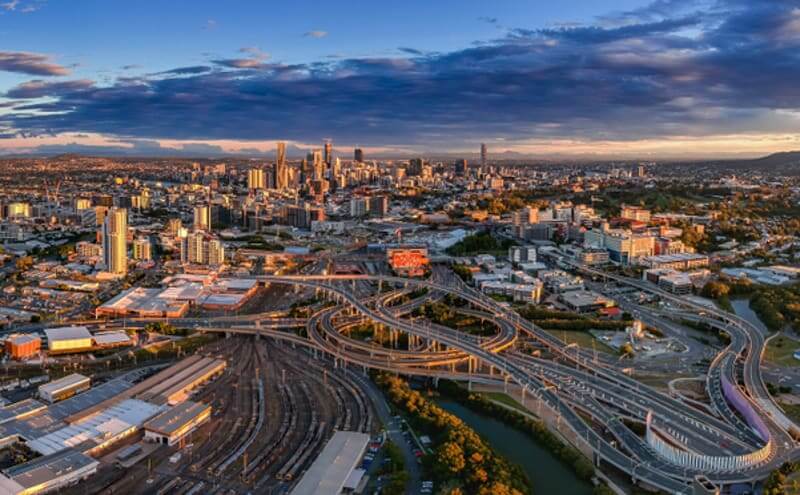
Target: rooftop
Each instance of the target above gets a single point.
(63, 383)
(333, 466)
(176, 417)
(45, 469)
(67, 333)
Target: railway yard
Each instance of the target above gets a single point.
(274, 408)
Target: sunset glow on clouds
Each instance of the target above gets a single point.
(674, 78)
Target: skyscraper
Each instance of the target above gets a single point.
(256, 179)
(328, 152)
(281, 153)
(202, 217)
(415, 167)
(319, 164)
(358, 155)
(484, 154)
(280, 179)
(461, 167)
(115, 238)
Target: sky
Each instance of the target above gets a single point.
(575, 78)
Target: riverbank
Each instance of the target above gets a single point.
(461, 461)
(547, 473)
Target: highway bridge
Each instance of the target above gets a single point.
(594, 401)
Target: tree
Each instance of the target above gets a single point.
(24, 263)
(626, 349)
(450, 457)
(716, 290)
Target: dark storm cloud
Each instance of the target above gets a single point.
(713, 67)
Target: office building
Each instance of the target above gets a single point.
(328, 153)
(636, 213)
(414, 168)
(358, 155)
(115, 238)
(484, 155)
(461, 167)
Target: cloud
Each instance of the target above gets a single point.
(256, 60)
(411, 51)
(33, 64)
(241, 63)
(315, 34)
(210, 25)
(190, 70)
(701, 71)
(255, 52)
(39, 88)
(18, 6)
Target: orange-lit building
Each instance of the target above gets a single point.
(23, 346)
(408, 261)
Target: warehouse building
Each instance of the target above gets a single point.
(112, 339)
(47, 474)
(98, 431)
(23, 345)
(64, 388)
(174, 424)
(143, 302)
(585, 301)
(68, 339)
(333, 468)
(177, 387)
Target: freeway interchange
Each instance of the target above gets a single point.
(593, 403)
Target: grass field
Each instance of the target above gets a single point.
(780, 351)
(504, 399)
(582, 339)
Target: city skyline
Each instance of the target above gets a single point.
(668, 79)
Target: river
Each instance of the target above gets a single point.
(742, 309)
(548, 475)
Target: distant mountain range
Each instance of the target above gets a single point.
(783, 163)
(787, 163)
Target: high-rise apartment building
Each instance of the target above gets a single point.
(201, 248)
(115, 238)
(142, 249)
(174, 225)
(256, 179)
(202, 217)
(484, 155)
